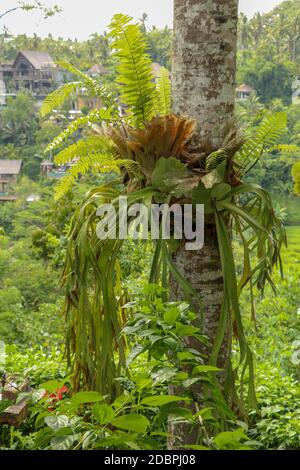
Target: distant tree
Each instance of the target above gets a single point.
(34, 5)
(18, 120)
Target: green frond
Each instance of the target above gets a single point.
(133, 168)
(134, 73)
(296, 177)
(103, 115)
(95, 163)
(264, 136)
(58, 97)
(93, 86)
(288, 148)
(84, 148)
(163, 93)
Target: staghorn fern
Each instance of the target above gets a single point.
(163, 93)
(134, 72)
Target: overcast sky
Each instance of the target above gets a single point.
(80, 18)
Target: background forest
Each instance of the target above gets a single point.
(33, 240)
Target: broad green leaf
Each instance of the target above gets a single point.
(103, 413)
(85, 397)
(43, 437)
(51, 386)
(163, 375)
(171, 315)
(168, 173)
(202, 195)
(220, 190)
(132, 422)
(205, 368)
(160, 400)
(63, 442)
(57, 422)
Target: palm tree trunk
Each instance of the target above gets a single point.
(203, 86)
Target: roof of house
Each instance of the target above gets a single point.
(38, 59)
(244, 88)
(10, 167)
(98, 69)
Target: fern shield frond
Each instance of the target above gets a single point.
(134, 72)
(163, 93)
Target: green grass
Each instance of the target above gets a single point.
(291, 254)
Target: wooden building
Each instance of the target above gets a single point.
(9, 171)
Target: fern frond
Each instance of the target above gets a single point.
(265, 135)
(93, 86)
(95, 163)
(134, 72)
(133, 168)
(287, 148)
(163, 93)
(58, 97)
(103, 115)
(84, 148)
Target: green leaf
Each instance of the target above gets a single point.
(163, 375)
(57, 422)
(103, 413)
(63, 442)
(220, 190)
(85, 397)
(171, 315)
(51, 386)
(132, 422)
(230, 440)
(43, 437)
(202, 195)
(168, 173)
(205, 368)
(160, 400)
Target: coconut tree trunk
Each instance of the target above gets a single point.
(203, 86)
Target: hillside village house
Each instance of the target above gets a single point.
(244, 91)
(9, 171)
(31, 70)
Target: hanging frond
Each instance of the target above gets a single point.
(163, 93)
(83, 148)
(94, 163)
(58, 97)
(103, 115)
(134, 72)
(264, 136)
(93, 87)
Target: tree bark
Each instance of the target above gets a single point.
(203, 87)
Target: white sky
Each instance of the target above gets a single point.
(80, 18)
